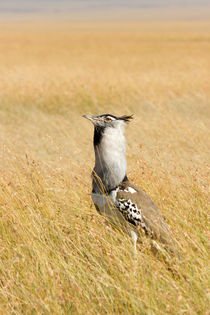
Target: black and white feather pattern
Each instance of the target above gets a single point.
(142, 212)
(130, 210)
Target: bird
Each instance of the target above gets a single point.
(114, 195)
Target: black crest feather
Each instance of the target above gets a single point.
(126, 118)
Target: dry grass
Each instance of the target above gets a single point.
(57, 255)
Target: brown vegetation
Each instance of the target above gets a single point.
(57, 255)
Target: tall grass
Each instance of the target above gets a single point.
(58, 256)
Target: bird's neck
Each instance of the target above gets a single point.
(110, 160)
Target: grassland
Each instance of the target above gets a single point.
(57, 254)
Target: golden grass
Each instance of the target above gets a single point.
(57, 254)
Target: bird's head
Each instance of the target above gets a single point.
(108, 120)
(107, 126)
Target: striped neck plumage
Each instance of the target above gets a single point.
(110, 158)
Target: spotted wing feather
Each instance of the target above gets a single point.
(131, 212)
(130, 199)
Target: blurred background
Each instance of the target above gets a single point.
(109, 9)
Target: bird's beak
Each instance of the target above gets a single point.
(91, 118)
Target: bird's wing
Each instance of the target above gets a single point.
(106, 206)
(138, 208)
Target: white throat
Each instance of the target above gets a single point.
(110, 159)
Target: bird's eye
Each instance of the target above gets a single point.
(107, 119)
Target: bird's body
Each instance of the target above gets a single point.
(112, 193)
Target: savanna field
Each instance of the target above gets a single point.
(57, 254)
